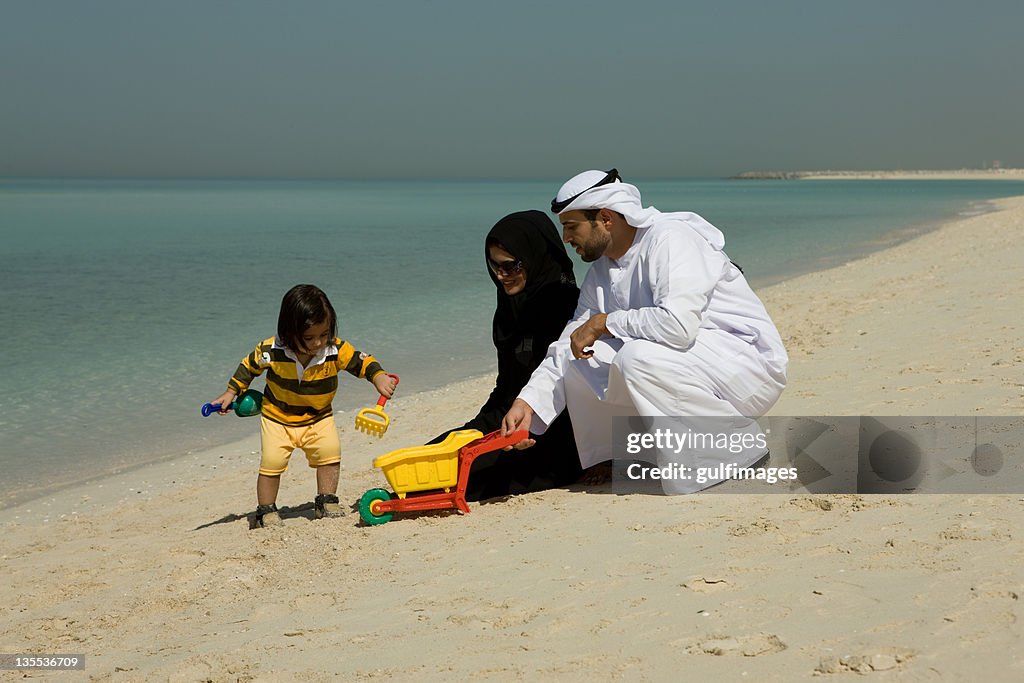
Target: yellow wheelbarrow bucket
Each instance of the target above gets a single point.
(426, 468)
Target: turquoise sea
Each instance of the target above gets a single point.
(127, 304)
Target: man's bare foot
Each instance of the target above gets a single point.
(601, 473)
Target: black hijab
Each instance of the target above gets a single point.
(550, 293)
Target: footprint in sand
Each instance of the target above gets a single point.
(748, 646)
(701, 584)
(883, 659)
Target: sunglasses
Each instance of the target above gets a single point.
(505, 268)
(559, 206)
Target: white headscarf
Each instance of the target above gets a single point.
(624, 198)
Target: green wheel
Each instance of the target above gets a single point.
(368, 502)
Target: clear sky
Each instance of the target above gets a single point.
(517, 88)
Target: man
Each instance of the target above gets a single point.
(666, 326)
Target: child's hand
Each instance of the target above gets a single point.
(225, 400)
(385, 384)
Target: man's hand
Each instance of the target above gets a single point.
(517, 417)
(584, 336)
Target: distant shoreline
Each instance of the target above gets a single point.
(959, 174)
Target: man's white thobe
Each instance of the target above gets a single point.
(689, 339)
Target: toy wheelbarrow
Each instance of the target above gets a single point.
(374, 421)
(423, 476)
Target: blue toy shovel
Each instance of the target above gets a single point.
(246, 405)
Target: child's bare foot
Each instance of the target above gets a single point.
(601, 473)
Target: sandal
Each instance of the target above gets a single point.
(326, 505)
(266, 515)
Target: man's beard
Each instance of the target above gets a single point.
(592, 251)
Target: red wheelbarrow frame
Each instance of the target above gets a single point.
(380, 510)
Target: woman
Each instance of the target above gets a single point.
(537, 295)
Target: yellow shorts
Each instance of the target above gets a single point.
(319, 441)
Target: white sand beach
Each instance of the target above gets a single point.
(155, 574)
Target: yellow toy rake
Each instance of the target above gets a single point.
(374, 421)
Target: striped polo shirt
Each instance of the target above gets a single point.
(296, 396)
